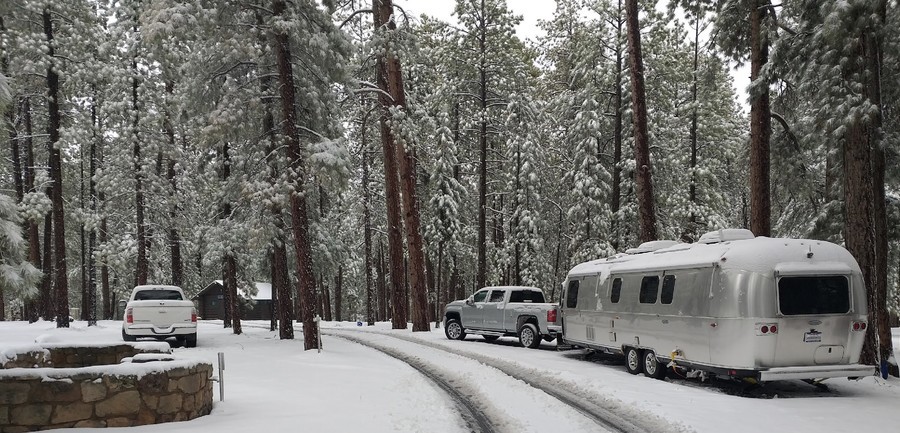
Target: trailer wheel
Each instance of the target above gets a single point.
(652, 367)
(454, 330)
(634, 362)
(529, 336)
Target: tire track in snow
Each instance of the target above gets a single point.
(612, 415)
(475, 419)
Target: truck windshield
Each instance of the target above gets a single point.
(157, 295)
(813, 295)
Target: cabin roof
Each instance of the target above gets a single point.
(263, 290)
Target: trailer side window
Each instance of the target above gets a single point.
(616, 291)
(649, 289)
(572, 294)
(668, 290)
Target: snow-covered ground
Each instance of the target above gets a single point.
(274, 386)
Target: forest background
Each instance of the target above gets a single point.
(302, 142)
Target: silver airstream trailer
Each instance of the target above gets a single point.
(731, 305)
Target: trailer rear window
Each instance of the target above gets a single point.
(157, 295)
(526, 296)
(813, 295)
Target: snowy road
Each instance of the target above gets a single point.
(608, 415)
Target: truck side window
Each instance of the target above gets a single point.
(649, 289)
(497, 295)
(668, 290)
(616, 291)
(572, 294)
(479, 296)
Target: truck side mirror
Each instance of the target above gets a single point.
(470, 301)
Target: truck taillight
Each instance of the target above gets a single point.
(551, 316)
(859, 326)
(129, 315)
(193, 315)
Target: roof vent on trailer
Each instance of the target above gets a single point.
(648, 247)
(725, 235)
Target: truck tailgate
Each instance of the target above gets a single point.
(162, 314)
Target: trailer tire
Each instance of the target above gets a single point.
(529, 336)
(652, 367)
(634, 362)
(454, 330)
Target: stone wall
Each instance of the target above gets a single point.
(78, 356)
(117, 395)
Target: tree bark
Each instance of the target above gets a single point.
(61, 282)
(393, 84)
(230, 282)
(760, 125)
(338, 293)
(142, 269)
(381, 285)
(371, 314)
(391, 184)
(92, 237)
(300, 223)
(616, 195)
(690, 235)
(34, 240)
(644, 170)
(174, 239)
(481, 272)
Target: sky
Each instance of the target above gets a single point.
(534, 10)
(275, 386)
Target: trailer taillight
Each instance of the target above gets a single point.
(129, 315)
(551, 315)
(859, 326)
(766, 328)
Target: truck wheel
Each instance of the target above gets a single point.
(529, 336)
(634, 363)
(652, 367)
(127, 337)
(190, 340)
(490, 338)
(454, 330)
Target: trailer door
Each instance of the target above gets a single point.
(814, 323)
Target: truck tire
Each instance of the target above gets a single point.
(190, 340)
(127, 337)
(634, 362)
(454, 330)
(529, 336)
(652, 367)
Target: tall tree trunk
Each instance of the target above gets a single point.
(281, 282)
(644, 170)
(230, 283)
(338, 293)
(874, 60)
(391, 182)
(174, 240)
(381, 285)
(481, 272)
(371, 314)
(14, 149)
(142, 269)
(760, 125)
(48, 297)
(325, 301)
(690, 235)
(61, 282)
(392, 83)
(300, 223)
(83, 238)
(92, 193)
(34, 240)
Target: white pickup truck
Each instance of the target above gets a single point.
(493, 312)
(160, 312)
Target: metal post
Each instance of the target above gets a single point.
(319, 332)
(221, 376)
